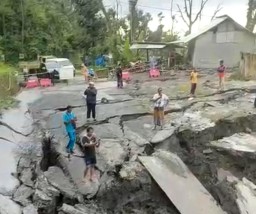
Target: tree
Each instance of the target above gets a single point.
(187, 14)
(251, 15)
(36, 27)
(132, 5)
(140, 25)
(217, 10)
(156, 36)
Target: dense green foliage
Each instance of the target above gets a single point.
(8, 86)
(69, 27)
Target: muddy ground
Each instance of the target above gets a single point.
(51, 183)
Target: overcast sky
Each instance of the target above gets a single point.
(234, 8)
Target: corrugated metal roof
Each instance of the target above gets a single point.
(147, 46)
(192, 36)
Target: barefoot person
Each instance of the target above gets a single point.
(193, 79)
(89, 142)
(84, 72)
(160, 102)
(221, 73)
(69, 120)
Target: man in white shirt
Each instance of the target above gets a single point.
(160, 102)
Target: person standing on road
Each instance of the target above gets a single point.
(119, 76)
(221, 73)
(84, 72)
(91, 94)
(25, 73)
(89, 143)
(160, 102)
(193, 79)
(69, 120)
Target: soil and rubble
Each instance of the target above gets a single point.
(212, 134)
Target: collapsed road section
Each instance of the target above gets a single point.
(198, 166)
(179, 184)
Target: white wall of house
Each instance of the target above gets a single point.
(225, 42)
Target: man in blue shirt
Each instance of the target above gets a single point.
(69, 120)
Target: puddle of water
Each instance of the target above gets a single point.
(18, 120)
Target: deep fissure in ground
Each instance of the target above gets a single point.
(143, 194)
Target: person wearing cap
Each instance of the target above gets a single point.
(221, 73)
(91, 94)
(69, 120)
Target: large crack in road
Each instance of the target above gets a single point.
(125, 186)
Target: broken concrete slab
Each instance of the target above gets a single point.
(80, 209)
(162, 135)
(43, 202)
(43, 185)
(106, 131)
(90, 208)
(26, 177)
(57, 179)
(7, 206)
(23, 194)
(76, 169)
(110, 154)
(175, 179)
(67, 209)
(130, 169)
(223, 174)
(142, 126)
(240, 142)
(193, 121)
(30, 209)
(246, 196)
(137, 139)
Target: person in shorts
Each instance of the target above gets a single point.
(221, 73)
(89, 144)
(193, 79)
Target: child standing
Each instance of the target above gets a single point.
(221, 73)
(193, 79)
(89, 143)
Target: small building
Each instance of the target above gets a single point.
(161, 49)
(223, 39)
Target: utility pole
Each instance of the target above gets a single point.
(132, 4)
(173, 17)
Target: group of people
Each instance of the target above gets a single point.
(194, 78)
(90, 142)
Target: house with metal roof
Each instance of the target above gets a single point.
(222, 39)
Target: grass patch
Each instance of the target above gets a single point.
(8, 102)
(8, 86)
(8, 81)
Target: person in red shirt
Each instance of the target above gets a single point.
(221, 73)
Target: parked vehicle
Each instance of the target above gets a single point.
(60, 68)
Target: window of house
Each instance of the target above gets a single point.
(225, 37)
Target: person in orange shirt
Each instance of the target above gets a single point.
(194, 80)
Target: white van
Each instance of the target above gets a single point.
(61, 68)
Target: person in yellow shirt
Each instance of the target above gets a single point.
(193, 79)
